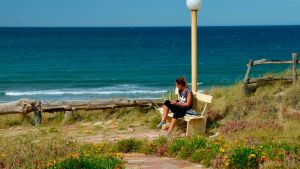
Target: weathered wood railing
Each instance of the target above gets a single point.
(293, 78)
(25, 106)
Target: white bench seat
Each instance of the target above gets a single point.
(195, 124)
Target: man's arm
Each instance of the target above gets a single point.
(188, 102)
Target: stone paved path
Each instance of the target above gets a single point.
(141, 161)
(81, 132)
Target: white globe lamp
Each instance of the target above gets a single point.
(194, 5)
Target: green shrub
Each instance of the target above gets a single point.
(176, 145)
(160, 141)
(211, 151)
(129, 145)
(184, 148)
(100, 148)
(197, 155)
(205, 153)
(92, 162)
(244, 157)
(193, 144)
(158, 146)
(154, 121)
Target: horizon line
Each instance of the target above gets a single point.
(143, 26)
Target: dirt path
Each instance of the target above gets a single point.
(141, 161)
(96, 132)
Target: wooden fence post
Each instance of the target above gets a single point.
(37, 109)
(246, 79)
(294, 67)
(69, 114)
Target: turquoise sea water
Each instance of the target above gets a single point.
(94, 63)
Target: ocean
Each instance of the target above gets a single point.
(139, 62)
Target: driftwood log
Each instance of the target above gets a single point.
(25, 106)
(99, 105)
(22, 106)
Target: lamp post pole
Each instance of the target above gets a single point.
(194, 51)
(194, 6)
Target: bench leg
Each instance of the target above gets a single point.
(196, 126)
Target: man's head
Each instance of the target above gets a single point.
(180, 83)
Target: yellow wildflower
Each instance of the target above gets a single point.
(3, 155)
(49, 164)
(74, 155)
(119, 155)
(252, 156)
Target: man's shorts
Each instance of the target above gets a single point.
(177, 110)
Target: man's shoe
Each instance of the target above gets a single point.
(160, 124)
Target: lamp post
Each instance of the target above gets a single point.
(194, 6)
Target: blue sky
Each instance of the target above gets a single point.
(105, 13)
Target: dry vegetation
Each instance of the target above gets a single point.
(271, 112)
(260, 130)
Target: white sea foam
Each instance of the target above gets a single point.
(82, 92)
(197, 83)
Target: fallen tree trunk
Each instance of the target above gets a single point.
(99, 105)
(25, 106)
(22, 106)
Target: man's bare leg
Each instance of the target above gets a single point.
(173, 121)
(163, 117)
(165, 113)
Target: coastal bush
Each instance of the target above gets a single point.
(211, 152)
(240, 125)
(103, 147)
(53, 150)
(188, 146)
(175, 146)
(244, 158)
(7, 121)
(31, 150)
(59, 152)
(271, 113)
(230, 102)
(196, 149)
(129, 145)
(234, 126)
(91, 162)
(154, 121)
(158, 146)
(281, 150)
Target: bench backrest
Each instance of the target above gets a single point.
(202, 98)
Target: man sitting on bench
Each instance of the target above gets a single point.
(178, 107)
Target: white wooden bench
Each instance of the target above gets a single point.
(196, 124)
